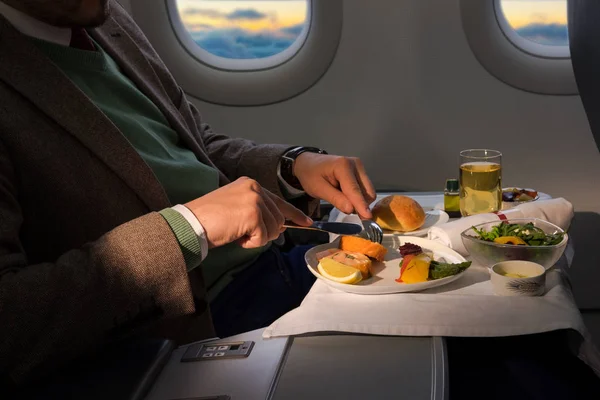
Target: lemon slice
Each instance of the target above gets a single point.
(338, 272)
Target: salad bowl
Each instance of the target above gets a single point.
(493, 242)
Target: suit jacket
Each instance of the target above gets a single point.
(84, 257)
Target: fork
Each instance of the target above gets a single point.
(371, 231)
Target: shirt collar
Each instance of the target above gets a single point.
(30, 26)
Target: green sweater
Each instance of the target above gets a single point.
(183, 177)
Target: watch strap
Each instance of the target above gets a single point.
(287, 163)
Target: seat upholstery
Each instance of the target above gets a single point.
(584, 42)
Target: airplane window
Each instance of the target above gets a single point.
(536, 26)
(523, 43)
(243, 52)
(237, 31)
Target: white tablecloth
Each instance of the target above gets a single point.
(466, 307)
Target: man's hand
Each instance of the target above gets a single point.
(246, 212)
(342, 181)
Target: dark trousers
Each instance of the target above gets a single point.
(273, 285)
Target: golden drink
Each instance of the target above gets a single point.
(480, 187)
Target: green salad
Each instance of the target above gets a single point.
(518, 234)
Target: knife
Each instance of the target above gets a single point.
(339, 228)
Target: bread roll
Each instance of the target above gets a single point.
(399, 213)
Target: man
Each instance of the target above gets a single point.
(119, 206)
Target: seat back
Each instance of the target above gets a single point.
(584, 42)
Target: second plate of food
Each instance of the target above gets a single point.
(384, 273)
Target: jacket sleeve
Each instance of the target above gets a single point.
(237, 157)
(241, 157)
(52, 312)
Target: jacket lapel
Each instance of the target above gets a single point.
(134, 64)
(54, 94)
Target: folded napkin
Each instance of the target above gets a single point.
(556, 211)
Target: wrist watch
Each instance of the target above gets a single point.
(287, 164)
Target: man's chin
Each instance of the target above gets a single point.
(95, 22)
(85, 21)
(100, 17)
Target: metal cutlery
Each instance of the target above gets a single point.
(369, 229)
(339, 228)
(372, 231)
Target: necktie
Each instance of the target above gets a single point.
(81, 40)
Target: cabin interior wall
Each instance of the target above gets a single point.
(406, 94)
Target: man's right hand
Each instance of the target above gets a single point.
(244, 211)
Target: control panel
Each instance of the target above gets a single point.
(217, 351)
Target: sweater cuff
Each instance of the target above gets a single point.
(188, 241)
(196, 226)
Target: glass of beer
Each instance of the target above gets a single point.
(480, 181)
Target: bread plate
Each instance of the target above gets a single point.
(432, 218)
(384, 274)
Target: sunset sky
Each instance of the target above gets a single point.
(219, 14)
(524, 12)
(254, 29)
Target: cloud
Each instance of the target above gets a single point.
(239, 43)
(223, 44)
(239, 14)
(205, 12)
(198, 27)
(548, 34)
(295, 30)
(245, 14)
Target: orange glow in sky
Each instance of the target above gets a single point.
(266, 15)
(524, 12)
(273, 14)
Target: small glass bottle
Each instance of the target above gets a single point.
(452, 198)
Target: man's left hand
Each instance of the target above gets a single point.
(342, 181)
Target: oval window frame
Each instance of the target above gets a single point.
(230, 64)
(506, 61)
(276, 80)
(526, 45)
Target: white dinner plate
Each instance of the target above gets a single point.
(385, 273)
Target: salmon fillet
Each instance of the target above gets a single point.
(363, 246)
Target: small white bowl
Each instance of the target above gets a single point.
(525, 278)
(506, 205)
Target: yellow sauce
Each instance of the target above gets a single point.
(511, 275)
